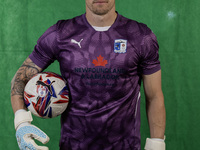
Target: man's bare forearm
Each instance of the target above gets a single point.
(156, 117)
(22, 76)
(155, 104)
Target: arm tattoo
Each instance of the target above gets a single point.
(23, 75)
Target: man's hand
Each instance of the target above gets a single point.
(26, 133)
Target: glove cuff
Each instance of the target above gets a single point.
(21, 117)
(152, 144)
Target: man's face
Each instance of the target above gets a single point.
(100, 7)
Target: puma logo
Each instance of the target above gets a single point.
(46, 85)
(75, 42)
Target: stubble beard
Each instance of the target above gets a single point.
(100, 10)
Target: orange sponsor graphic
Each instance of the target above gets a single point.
(100, 61)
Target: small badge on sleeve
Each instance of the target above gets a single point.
(120, 46)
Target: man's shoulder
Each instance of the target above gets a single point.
(132, 25)
(70, 22)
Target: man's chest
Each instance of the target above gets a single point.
(98, 51)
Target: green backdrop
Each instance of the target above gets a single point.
(176, 24)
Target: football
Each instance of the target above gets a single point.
(46, 95)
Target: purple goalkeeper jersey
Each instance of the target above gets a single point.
(103, 70)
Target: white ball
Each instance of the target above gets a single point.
(46, 95)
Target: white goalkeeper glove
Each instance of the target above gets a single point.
(154, 144)
(25, 132)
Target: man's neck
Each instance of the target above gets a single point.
(101, 20)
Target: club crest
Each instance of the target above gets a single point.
(120, 46)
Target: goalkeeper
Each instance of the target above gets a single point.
(103, 56)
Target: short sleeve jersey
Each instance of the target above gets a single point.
(103, 71)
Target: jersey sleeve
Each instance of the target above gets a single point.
(45, 50)
(149, 54)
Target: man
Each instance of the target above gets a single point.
(103, 56)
